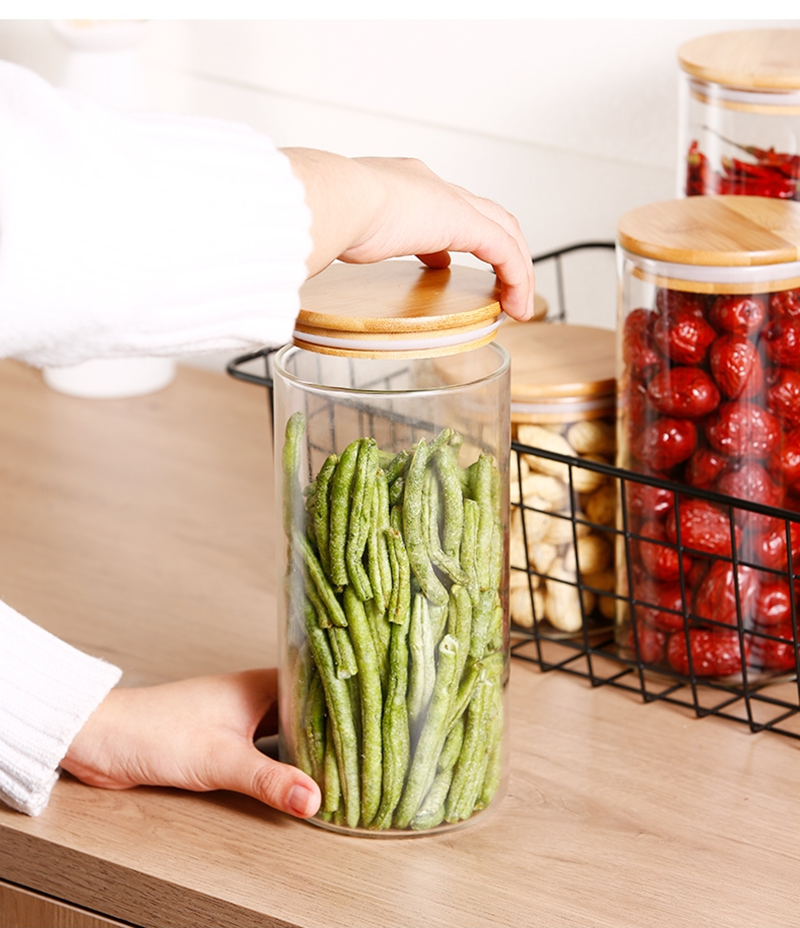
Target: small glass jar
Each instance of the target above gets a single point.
(563, 397)
(709, 397)
(739, 122)
(392, 445)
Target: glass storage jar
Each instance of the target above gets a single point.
(739, 122)
(392, 448)
(709, 397)
(563, 397)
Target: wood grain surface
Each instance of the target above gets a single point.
(397, 296)
(720, 231)
(559, 361)
(757, 59)
(141, 530)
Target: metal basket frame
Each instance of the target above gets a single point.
(761, 703)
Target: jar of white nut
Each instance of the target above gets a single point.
(561, 550)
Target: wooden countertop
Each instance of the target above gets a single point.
(140, 530)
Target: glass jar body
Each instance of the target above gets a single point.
(735, 141)
(709, 398)
(392, 476)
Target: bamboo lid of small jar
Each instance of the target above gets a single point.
(755, 59)
(757, 239)
(397, 309)
(559, 373)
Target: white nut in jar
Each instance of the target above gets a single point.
(542, 555)
(605, 580)
(594, 553)
(585, 480)
(519, 605)
(541, 491)
(536, 436)
(558, 530)
(518, 578)
(536, 524)
(601, 506)
(592, 436)
(562, 603)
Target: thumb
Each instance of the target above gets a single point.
(247, 770)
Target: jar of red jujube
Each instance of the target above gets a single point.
(739, 125)
(709, 397)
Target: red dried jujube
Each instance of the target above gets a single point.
(684, 392)
(683, 336)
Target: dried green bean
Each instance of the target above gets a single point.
(396, 491)
(429, 746)
(340, 708)
(400, 602)
(459, 623)
(470, 769)
(381, 635)
(315, 721)
(494, 750)
(371, 705)
(422, 664)
(430, 517)
(344, 657)
(469, 545)
(432, 810)
(396, 738)
(482, 622)
(359, 518)
(482, 493)
(413, 527)
(292, 452)
(303, 667)
(340, 488)
(453, 527)
(331, 785)
(395, 468)
(324, 589)
(322, 511)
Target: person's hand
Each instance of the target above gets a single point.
(368, 209)
(194, 734)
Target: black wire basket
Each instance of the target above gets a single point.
(764, 691)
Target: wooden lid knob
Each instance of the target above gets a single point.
(397, 308)
(757, 59)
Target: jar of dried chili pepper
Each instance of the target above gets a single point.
(739, 124)
(709, 399)
(392, 446)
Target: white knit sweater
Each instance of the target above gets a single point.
(123, 234)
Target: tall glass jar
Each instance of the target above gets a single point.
(392, 447)
(709, 397)
(739, 123)
(563, 396)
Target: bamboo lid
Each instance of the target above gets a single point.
(757, 59)
(397, 309)
(722, 231)
(559, 372)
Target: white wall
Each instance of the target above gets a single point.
(567, 124)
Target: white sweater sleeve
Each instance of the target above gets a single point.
(123, 234)
(134, 233)
(48, 689)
